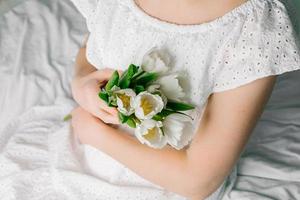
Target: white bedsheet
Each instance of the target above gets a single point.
(39, 159)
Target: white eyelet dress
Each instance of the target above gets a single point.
(252, 41)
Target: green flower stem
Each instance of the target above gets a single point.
(136, 120)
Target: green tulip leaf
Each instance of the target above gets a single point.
(104, 96)
(112, 101)
(178, 106)
(67, 117)
(146, 78)
(165, 112)
(127, 76)
(158, 117)
(138, 74)
(139, 89)
(123, 118)
(131, 123)
(112, 81)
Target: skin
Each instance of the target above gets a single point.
(225, 127)
(187, 11)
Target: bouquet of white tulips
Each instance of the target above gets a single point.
(146, 102)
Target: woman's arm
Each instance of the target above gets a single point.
(82, 66)
(198, 171)
(225, 128)
(85, 87)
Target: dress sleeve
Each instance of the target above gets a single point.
(88, 10)
(265, 45)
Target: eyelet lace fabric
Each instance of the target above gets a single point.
(252, 41)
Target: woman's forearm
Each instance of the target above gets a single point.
(166, 167)
(82, 66)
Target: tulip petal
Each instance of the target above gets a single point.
(147, 105)
(156, 60)
(170, 87)
(178, 130)
(156, 139)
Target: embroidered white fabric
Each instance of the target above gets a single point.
(252, 41)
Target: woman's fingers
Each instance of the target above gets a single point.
(101, 114)
(112, 111)
(102, 105)
(102, 75)
(104, 112)
(106, 117)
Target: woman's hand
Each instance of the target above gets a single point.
(85, 125)
(85, 92)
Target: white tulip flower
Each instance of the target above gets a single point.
(147, 105)
(125, 101)
(149, 132)
(156, 60)
(155, 89)
(170, 87)
(178, 130)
